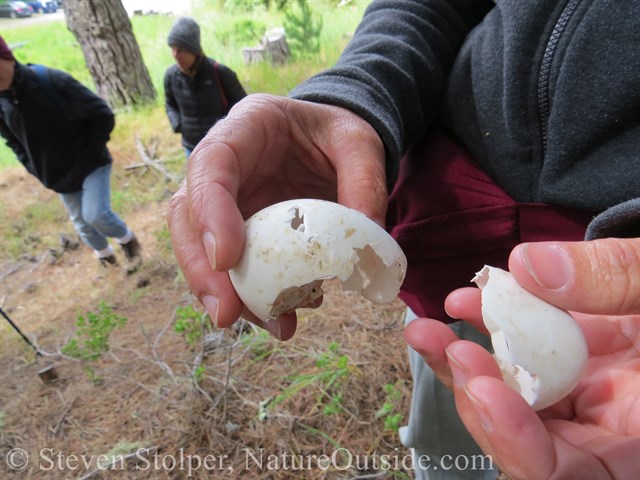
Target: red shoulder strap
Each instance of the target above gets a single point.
(225, 102)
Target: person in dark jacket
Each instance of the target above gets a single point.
(59, 130)
(488, 125)
(198, 90)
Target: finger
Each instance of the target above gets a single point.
(281, 328)
(525, 447)
(465, 304)
(468, 360)
(213, 289)
(430, 339)
(616, 456)
(509, 428)
(217, 167)
(599, 276)
(358, 154)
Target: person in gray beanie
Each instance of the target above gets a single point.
(185, 34)
(198, 90)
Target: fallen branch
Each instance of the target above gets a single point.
(154, 163)
(63, 416)
(133, 166)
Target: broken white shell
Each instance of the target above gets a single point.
(293, 246)
(540, 348)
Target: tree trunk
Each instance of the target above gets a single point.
(103, 30)
(273, 48)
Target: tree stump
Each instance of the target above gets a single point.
(273, 49)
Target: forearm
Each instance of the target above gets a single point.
(393, 72)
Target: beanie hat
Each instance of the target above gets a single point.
(185, 34)
(5, 51)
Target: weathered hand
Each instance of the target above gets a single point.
(595, 431)
(269, 149)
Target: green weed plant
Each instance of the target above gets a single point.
(191, 324)
(389, 412)
(329, 375)
(92, 335)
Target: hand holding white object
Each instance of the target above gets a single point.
(595, 431)
(268, 149)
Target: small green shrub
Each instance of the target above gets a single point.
(93, 331)
(388, 411)
(191, 324)
(198, 373)
(303, 29)
(244, 31)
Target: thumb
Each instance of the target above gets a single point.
(358, 155)
(597, 277)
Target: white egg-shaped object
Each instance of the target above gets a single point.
(540, 348)
(293, 246)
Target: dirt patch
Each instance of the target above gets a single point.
(155, 403)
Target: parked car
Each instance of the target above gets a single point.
(35, 6)
(15, 10)
(50, 7)
(44, 6)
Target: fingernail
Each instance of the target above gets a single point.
(481, 411)
(459, 372)
(549, 265)
(410, 343)
(209, 242)
(273, 327)
(447, 312)
(424, 355)
(211, 304)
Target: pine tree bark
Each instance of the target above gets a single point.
(104, 32)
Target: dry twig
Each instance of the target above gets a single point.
(154, 163)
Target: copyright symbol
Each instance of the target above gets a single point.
(17, 459)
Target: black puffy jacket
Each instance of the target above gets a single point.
(60, 141)
(195, 103)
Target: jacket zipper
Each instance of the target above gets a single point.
(545, 70)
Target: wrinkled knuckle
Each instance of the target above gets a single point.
(190, 264)
(199, 192)
(618, 264)
(175, 205)
(253, 102)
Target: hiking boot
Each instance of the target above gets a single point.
(131, 249)
(108, 261)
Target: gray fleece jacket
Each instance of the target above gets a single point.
(543, 93)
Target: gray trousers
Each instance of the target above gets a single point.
(440, 445)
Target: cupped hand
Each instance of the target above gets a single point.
(595, 431)
(268, 149)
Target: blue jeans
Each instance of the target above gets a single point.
(90, 210)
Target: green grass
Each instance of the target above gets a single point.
(223, 32)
